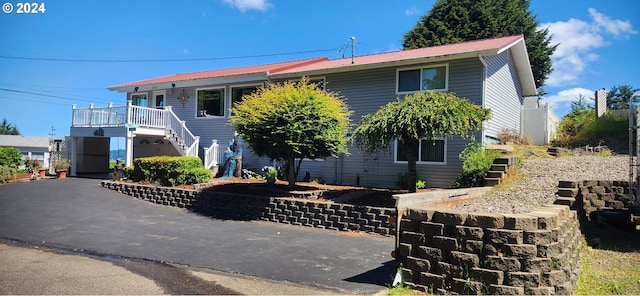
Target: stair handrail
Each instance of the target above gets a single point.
(211, 155)
(182, 133)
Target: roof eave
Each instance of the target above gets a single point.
(208, 81)
(525, 74)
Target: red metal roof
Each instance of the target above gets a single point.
(486, 46)
(268, 68)
(495, 45)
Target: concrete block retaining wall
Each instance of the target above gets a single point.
(326, 215)
(449, 251)
(592, 196)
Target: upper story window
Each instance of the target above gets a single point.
(426, 78)
(210, 102)
(429, 152)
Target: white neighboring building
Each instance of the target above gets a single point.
(31, 147)
(538, 122)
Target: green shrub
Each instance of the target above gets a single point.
(6, 173)
(168, 170)
(402, 182)
(476, 162)
(10, 157)
(572, 123)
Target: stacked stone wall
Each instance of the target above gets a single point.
(592, 197)
(327, 215)
(451, 251)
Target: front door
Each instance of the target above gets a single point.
(157, 100)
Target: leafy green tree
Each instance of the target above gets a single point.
(421, 115)
(454, 21)
(618, 97)
(6, 128)
(10, 157)
(290, 121)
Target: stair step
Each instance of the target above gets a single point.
(495, 174)
(565, 201)
(492, 181)
(505, 160)
(499, 168)
(567, 192)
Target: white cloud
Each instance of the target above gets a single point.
(411, 11)
(564, 98)
(615, 27)
(245, 5)
(578, 40)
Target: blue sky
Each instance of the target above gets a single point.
(73, 51)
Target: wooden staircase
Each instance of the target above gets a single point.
(499, 169)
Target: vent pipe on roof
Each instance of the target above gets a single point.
(353, 48)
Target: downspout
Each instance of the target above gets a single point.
(484, 94)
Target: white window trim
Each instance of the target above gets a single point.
(446, 80)
(156, 93)
(395, 153)
(224, 101)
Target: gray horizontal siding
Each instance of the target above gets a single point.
(503, 94)
(365, 92)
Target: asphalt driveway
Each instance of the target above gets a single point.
(76, 213)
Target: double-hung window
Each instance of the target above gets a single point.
(425, 78)
(429, 151)
(210, 102)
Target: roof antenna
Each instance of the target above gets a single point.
(353, 47)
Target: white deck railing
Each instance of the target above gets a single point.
(138, 116)
(211, 157)
(99, 117)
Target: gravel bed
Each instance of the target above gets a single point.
(539, 181)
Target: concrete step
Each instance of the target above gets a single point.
(554, 151)
(567, 192)
(508, 160)
(568, 184)
(565, 201)
(499, 168)
(492, 181)
(495, 174)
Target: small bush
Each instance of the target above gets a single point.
(509, 136)
(6, 173)
(476, 162)
(168, 170)
(402, 182)
(271, 174)
(10, 157)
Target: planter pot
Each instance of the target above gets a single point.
(61, 174)
(42, 172)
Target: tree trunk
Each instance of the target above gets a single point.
(412, 157)
(292, 171)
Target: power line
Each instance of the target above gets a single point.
(159, 60)
(39, 94)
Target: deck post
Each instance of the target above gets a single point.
(129, 157)
(74, 157)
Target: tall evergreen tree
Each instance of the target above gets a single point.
(618, 97)
(6, 128)
(454, 21)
